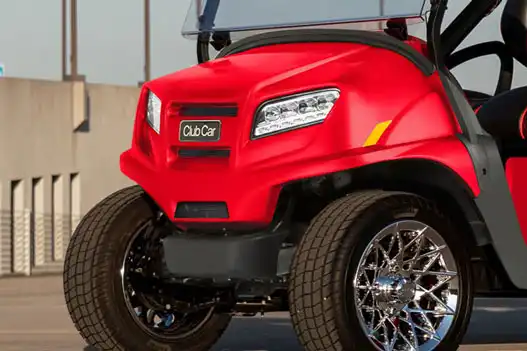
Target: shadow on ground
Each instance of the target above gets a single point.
(490, 324)
(264, 334)
(269, 334)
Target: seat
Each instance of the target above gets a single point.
(504, 115)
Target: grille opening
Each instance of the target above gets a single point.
(206, 110)
(202, 210)
(215, 153)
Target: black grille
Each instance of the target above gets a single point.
(208, 111)
(202, 210)
(195, 153)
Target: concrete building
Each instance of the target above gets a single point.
(58, 157)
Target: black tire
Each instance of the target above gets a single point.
(92, 284)
(323, 317)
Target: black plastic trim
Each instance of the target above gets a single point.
(208, 111)
(245, 257)
(494, 202)
(374, 39)
(200, 210)
(196, 153)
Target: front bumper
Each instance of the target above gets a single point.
(244, 257)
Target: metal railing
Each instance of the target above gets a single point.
(32, 243)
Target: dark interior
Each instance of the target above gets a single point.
(503, 114)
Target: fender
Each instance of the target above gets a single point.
(442, 183)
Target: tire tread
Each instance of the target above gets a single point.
(82, 299)
(311, 288)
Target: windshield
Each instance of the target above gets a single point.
(207, 16)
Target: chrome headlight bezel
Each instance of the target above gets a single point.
(293, 122)
(153, 111)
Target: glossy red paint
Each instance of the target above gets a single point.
(515, 170)
(376, 86)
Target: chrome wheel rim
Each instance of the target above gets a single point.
(153, 316)
(406, 288)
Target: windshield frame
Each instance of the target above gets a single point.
(202, 15)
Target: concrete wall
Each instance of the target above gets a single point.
(59, 155)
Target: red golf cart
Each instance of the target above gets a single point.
(341, 173)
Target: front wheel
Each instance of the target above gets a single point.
(111, 284)
(381, 271)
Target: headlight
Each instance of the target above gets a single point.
(153, 112)
(293, 112)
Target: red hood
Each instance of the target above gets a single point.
(232, 78)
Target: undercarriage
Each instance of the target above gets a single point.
(244, 273)
(250, 297)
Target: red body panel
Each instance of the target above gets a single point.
(515, 170)
(376, 85)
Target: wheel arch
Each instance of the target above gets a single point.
(424, 177)
(439, 183)
(432, 180)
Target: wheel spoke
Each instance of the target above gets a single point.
(393, 239)
(365, 275)
(436, 299)
(378, 326)
(419, 239)
(440, 283)
(385, 255)
(429, 330)
(386, 334)
(415, 342)
(433, 252)
(427, 267)
(433, 312)
(398, 259)
(405, 270)
(446, 273)
(377, 257)
(363, 301)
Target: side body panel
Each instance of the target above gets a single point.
(516, 171)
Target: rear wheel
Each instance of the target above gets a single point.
(381, 271)
(112, 287)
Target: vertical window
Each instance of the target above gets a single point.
(17, 225)
(36, 238)
(57, 215)
(75, 201)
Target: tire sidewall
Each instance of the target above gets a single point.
(360, 233)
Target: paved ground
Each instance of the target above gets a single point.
(33, 318)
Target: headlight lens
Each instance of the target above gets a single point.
(153, 112)
(297, 111)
